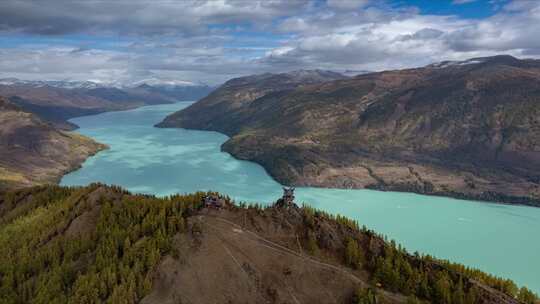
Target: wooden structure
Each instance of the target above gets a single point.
(287, 200)
(288, 196)
(213, 201)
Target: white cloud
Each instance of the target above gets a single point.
(462, 1)
(212, 41)
(346, 4)
(186, 17)
(374, 39)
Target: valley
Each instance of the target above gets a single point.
(36, 143)
(57, 101)
(464, 129)
(269, 151)
(163, 162)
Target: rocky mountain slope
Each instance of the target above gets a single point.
(101, 244)
(465, 129)
(224, 105)
(57, 101)
(35, 152)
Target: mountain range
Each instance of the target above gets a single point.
(102, 244)
(35, 145)
(73, 84)
(465, 129)
(58, 101)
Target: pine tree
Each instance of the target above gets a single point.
(470, 298)
(527, 296)
(412, 300)
(354, 256)
(366, 296)
(312, 246)
(442, 289)
(458, 296)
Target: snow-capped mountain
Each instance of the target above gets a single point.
(57, 101)
(352, 73)
(449, 63)
(155, 82)
(71, 84)
(53, 83)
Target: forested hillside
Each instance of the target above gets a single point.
(101, 244)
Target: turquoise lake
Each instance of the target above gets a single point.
(501, 239)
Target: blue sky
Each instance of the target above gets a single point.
(465, 9)
(214, 40)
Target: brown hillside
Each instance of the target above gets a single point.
(466, 129)
(34, 152)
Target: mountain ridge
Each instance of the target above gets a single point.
(103, 244)
(88, 84)
(459, 130)
(57, 101)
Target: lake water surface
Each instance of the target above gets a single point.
(501, 239)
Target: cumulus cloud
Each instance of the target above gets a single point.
(57, 63)
(212, 41)
(188, 17)
(346, 4)
(167, 61)
(375, 39)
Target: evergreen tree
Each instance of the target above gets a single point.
(470, 298)
(366, 296)
(354, 256)
(527, 296)
(442, 289)
(412, 300)
(458, 296)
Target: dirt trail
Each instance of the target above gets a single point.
(274, 246)
(224, 263)
(203, 219)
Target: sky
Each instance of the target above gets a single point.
(211, 41)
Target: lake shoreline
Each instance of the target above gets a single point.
(161, 162)
(484, 197)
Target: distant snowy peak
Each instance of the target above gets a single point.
(8, 81)
(53, 83)
(77, 84)
(445, 64)
(506, 60)
(352, 73)
(89, 85)
(154, 82)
